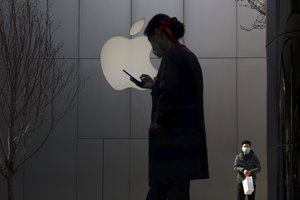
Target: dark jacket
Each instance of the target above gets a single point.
(178, 148)
(248, 162)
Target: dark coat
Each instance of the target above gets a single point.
(178, 148)
(248, 162)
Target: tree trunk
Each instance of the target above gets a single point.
(10, 188)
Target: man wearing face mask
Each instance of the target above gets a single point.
(245, 164)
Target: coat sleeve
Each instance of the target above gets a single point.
(257, 166)
(236, 165)
(168, 93)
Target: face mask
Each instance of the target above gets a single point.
(246, 150)
(156, 50)
(155, 45)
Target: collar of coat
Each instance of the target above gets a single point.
(251, 153)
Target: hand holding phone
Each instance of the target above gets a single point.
(132, 75)
(145, 81)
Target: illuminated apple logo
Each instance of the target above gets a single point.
(133, 55)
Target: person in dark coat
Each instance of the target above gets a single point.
(177, 138)
(246, 164)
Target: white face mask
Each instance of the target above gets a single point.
(246, 150)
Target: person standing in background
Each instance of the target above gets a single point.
(246, 164)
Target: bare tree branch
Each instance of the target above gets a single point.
(36, 90)
(260, 7)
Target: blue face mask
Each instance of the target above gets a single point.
(157, 52)
(246, 150)
(154, 40)
(156, 49)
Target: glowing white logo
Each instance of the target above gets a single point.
(120, 53)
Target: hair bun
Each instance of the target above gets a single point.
(177, 28)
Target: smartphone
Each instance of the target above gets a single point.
(132, 75)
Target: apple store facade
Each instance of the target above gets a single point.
(99, 150)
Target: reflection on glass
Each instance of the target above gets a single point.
(289, 118)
